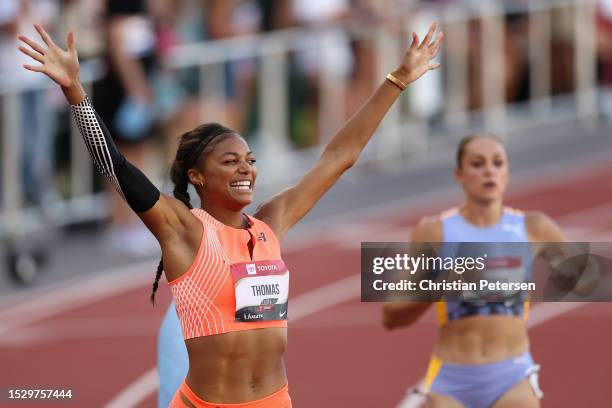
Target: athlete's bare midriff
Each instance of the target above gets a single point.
(482, 339)
(239, 366)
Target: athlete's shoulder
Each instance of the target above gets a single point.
(206, 219)
(257, 221)
(265, 231)
(537, 219)
(542, 228)
(514, 212)
(451, 212)
(428, 229)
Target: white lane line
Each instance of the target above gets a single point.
(132, 395)
(590, 217)
(547, 311)
(91, 327)
(111, 283)
(98, 327)
(325, 297)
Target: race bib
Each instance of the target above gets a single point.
(508, 269)
(262, 290)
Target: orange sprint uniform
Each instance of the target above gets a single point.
(279, 399)
(237, 281)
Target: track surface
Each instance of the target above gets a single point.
(338, 355)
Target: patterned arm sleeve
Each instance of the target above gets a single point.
(133, 186)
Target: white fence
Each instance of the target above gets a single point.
(431, 113)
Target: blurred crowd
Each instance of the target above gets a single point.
(147, 103)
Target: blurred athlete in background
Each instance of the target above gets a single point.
(482, 357)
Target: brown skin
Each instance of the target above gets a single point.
(230, 161)
(483, 175)
(247, 365)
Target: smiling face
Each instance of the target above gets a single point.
(483, 169)
(226, 175)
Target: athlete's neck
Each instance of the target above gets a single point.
(232, 218)
(482, 214)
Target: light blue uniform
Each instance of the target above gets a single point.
(172, 359)
(464, 239)
(479, 386)
(511, 228)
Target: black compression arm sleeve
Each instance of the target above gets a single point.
(140, 194)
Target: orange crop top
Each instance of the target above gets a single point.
(232, 285)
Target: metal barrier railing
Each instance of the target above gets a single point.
(441, 95)
(15, 218)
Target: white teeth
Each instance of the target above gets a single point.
(242, 185)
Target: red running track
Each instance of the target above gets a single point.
(339, 356)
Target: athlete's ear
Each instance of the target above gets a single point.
(195, 177)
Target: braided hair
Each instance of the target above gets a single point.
(193, 145)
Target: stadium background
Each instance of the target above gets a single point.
(75, 275)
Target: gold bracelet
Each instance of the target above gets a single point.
(391, 78)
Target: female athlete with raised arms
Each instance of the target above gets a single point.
(224, 267)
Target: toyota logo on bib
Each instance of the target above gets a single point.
(251, 269)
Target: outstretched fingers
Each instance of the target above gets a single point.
(33, 44)
(35, 68)
(70, 41)
(415, 41)
(43, 34)
(430, 33)
(34, 55)
(435, 47)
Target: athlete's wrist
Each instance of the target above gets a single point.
(396, 81)
(74, 92)
(403, 75)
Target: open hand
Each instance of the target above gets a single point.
(62, 66)
(417, 60)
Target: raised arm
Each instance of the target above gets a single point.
(285, 209)
(164, 216)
